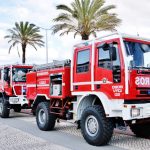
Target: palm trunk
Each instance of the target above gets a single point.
(23, 53)
(85, 36)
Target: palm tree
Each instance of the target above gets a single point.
(85, 17)
(24, 34)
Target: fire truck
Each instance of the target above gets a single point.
(106, 84)
(13, 88)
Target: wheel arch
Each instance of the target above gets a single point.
(39, 99)
(4, 97)
(90, 100)
(3, 94)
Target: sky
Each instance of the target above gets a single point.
(135, 16)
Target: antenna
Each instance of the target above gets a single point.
(137, 31)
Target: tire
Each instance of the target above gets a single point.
(45, 120)
(17, 108)
(4, 109)
(102, 133)
(141, 130)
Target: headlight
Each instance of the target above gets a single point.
(135, 112)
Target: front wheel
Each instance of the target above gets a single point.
(45, 120)
(141, 130)
(95, 127)
(4, 109)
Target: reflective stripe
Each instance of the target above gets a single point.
(43, 85)
(31, 85)
(89, 83)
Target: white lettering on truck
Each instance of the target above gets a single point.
(117, 90)
(142, 81)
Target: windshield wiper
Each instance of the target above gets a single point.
(140, 67)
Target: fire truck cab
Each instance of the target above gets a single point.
(13, 88)
(106, 84)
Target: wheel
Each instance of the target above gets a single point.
(17, 108)
(141, 130)
(4, 109)
(95, 127)
(45, 120)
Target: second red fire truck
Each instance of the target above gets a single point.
(13, 88)
(107, 83)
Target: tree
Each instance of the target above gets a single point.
(85, 17)
(24, 34)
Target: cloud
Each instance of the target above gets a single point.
(134, 15)
(22, 13)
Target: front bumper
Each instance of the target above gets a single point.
(18, 101)
(136, 111)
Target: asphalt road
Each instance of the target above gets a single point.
(20, 132)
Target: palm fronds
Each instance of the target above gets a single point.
(24, 34)
(85, 17)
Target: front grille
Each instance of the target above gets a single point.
(135, 101)
(143, 72)
(143, 92)
(145, 96)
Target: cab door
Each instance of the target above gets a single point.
(6, 77)
(109, 70)
(82, 69)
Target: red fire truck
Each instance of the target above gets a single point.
(13, 88)
(107, 83)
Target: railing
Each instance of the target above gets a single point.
(54, 64)
(20, 91)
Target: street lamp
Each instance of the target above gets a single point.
(46, 41)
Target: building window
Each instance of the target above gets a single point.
(83, 61)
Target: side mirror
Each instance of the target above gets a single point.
(105, 46)
(131, 63)
(5, 77)
(113, 53)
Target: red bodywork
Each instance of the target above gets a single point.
(39, 83)
(139, 85)
(100, 74)
(139, 80)
(13, 88)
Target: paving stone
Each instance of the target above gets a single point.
(14, 139)
(118, 139)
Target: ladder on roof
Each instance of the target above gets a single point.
(52, 65)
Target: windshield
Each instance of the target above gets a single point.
(19, 74)
(138, 54)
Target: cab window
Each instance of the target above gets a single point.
(83, 61)
(104, 58)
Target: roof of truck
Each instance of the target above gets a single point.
(135, 37)
(52, 65)
(112, 36)
(16, 65)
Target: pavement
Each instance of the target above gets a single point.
(14, 139)
(20, 132)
